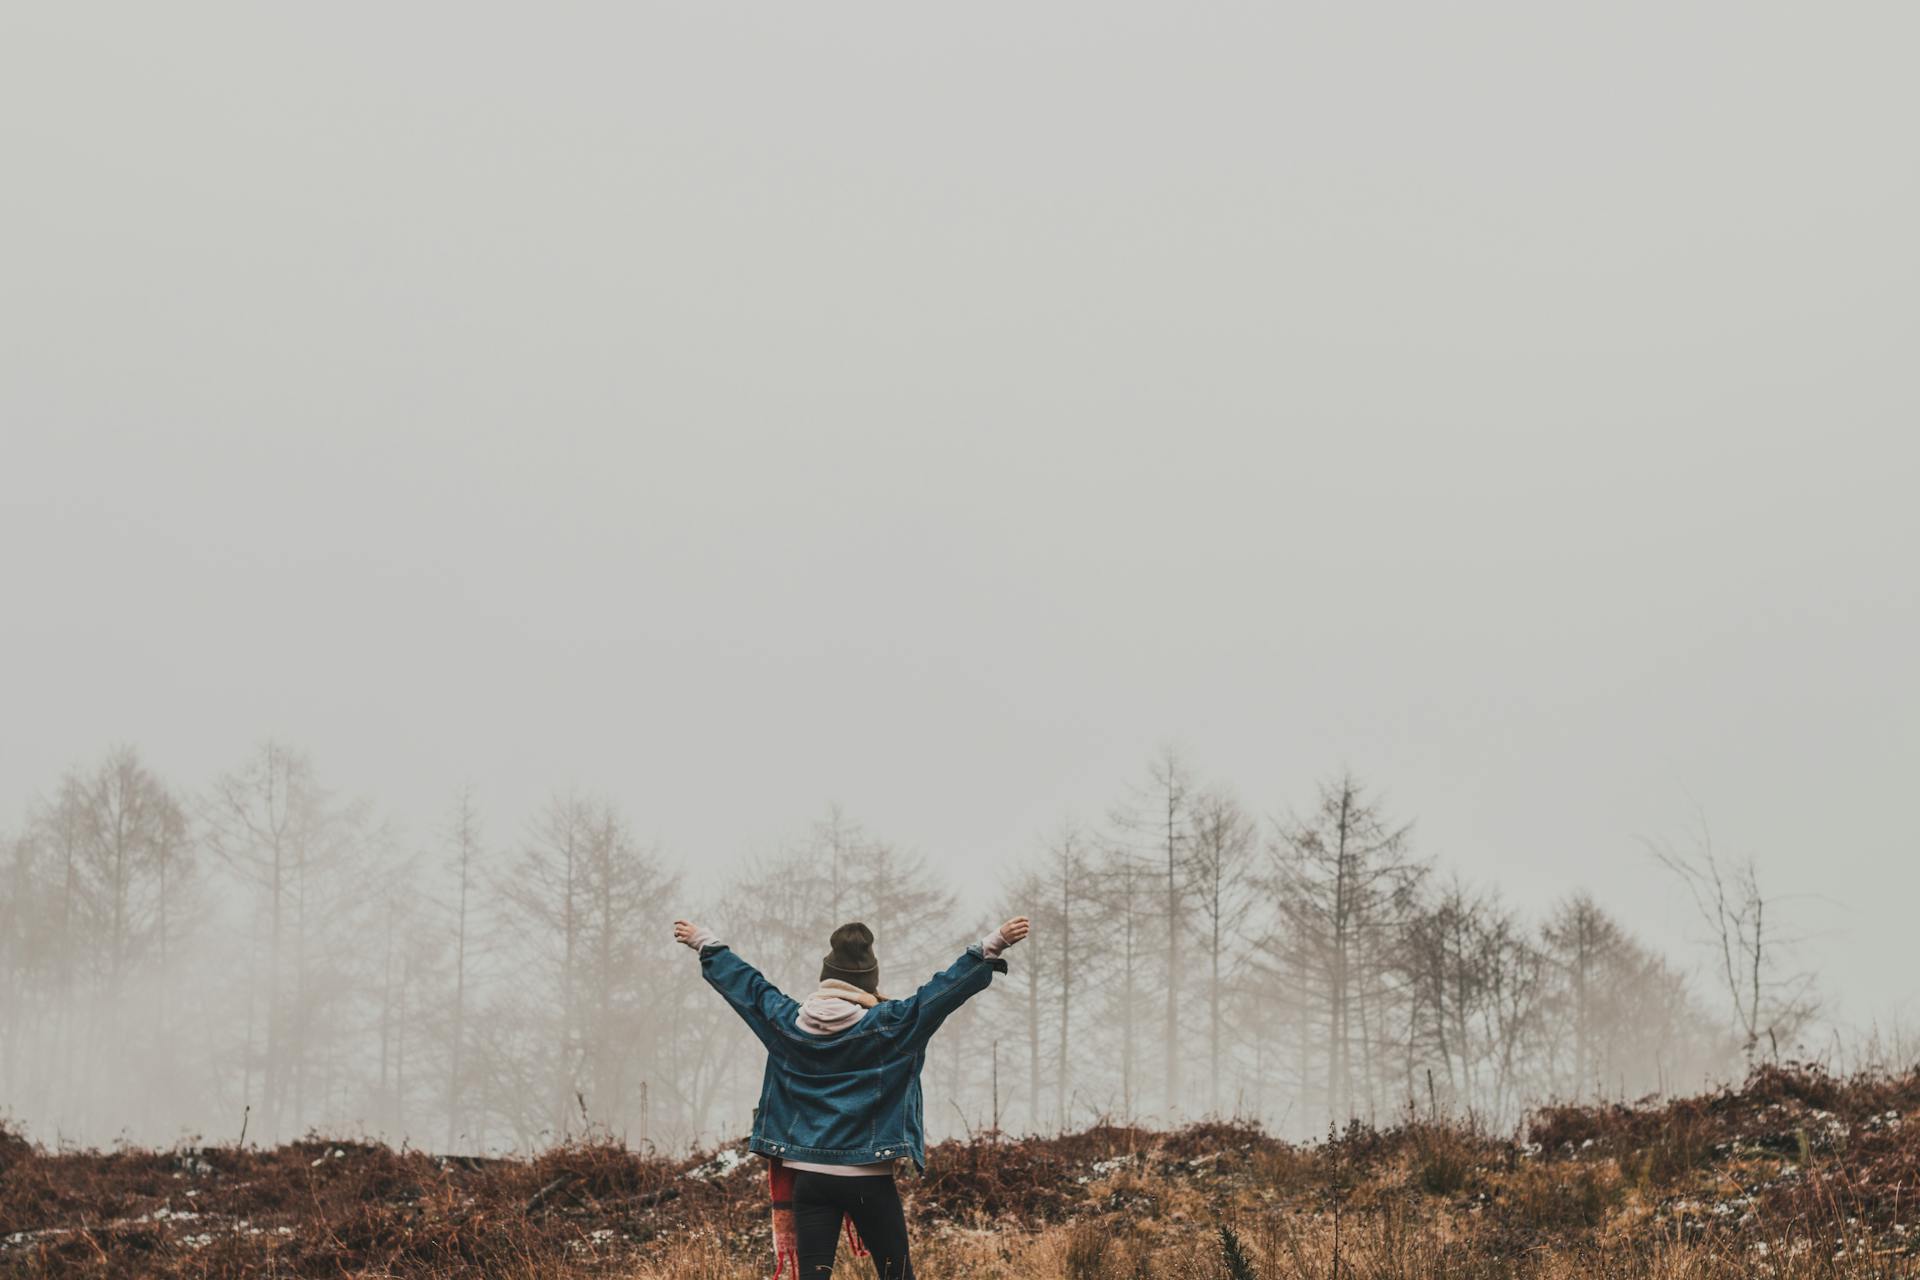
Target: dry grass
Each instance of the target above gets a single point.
(1796, 1176)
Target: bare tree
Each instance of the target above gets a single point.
(1582, 943)
(138, 854)
(585, 1010)
(98, 879)
(414, 956)
(1452, 957)
(1224, 842)
(305, 855)
(466, 868)
(135, 832)
(1067, 868)
(1514, 987)
(1346, 892)
(837, 842)
(1120, 890)
(1155, 819)
(1031, 885)
(1769, 1003)
(543, 906)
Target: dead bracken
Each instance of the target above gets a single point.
(1794, 1174)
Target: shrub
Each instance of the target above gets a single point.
(1234, 1257)
(1559, 1198)
(1443, 1159)
(1087, 1247)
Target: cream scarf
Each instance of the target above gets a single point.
(835, 1006)
(833, 988)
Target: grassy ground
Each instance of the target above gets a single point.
(1794, 1175)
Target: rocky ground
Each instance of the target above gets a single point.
(1795, 1174)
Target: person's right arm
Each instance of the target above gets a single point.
(760, 1004)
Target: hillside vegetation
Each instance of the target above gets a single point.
(1795, 1174)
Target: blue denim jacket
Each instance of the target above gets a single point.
(852, 1097)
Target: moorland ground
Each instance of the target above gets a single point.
(1793, 1174)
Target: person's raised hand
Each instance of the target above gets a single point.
(1015, 929)
(684, 932)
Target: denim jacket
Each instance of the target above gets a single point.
(852, 1097)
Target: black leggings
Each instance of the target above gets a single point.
(872, 1201)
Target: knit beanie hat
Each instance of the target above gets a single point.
(851, 958)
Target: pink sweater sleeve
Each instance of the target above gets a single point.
(992, 945)
(704, 938)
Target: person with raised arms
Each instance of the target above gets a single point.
(840, 1101)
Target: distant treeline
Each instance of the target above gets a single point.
(263, 952)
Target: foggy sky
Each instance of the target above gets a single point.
(936, 409)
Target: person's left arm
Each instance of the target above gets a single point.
(922, 1012)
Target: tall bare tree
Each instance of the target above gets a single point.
(134, 834)
(1583, 943)
(1033, 977)
(1155, 820)
(1346, 891)
(1065, 906)
(543, 904)
(587, 988)
(1467, 959)
(304, 855)
(466, 869)
(1223, 845)
(411, 981)
(1120, 889)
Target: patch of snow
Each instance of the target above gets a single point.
(722, 1164)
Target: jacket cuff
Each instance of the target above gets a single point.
(978, 952)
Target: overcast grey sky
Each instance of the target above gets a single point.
(937, 408)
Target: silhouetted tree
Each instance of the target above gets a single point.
(1346, 893)
(1220, 867)
(1154, 822)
